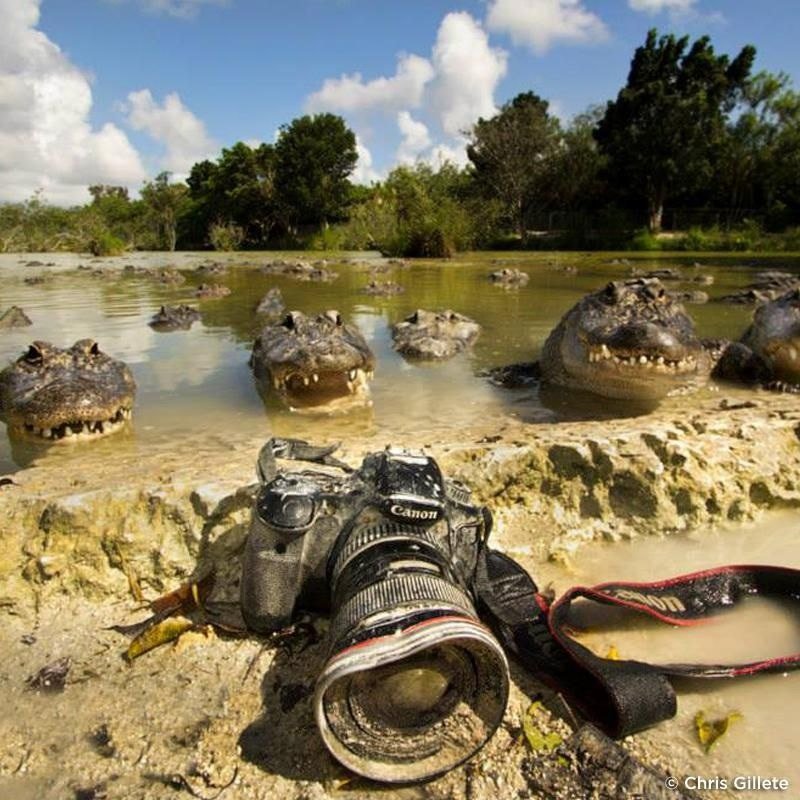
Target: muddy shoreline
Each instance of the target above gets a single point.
(214, 709)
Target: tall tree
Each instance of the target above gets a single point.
(238, 189)
(665, 127)
(165, 201)
(314, 156)
(512, 154)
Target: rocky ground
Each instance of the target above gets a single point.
(217, 715)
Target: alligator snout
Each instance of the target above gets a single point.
(648, 339)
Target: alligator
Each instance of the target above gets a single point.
(173, 318)
(14, 317)
(767, 286)
(434, 334)
(509, 278)
(55, 394)
(300, 270)
(206, 290)
(320, 362)
(768, 353)
(383, 288)
(271, 304)
(629, 340)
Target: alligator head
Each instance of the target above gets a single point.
(630, 340)
(434, 334)
(60, 394)
(173, 318)
(775, 336)
(314, 361)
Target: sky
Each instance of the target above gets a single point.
(116, 91)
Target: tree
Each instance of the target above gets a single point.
(512, 154)
(761, 158)
(238, 191)
(165, 201)
(314, 156)
(664, 129)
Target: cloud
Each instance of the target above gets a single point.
(364, 173)
(180, 9)
(46, 140)
(467, 73)
(455, 153)
(656, 6)
(416, 138)
(182, 134)
(448, 92)
(350, 93)
(539, 24)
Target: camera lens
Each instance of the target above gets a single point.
(414, 684)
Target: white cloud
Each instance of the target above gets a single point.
(350, 93)
(416, 138)
(182, 134)
(656, 6)
(455, 153)
(541, 23)
(364, 173)
(181, 9)
(467, 73)
(46, 140)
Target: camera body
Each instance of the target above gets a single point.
(305, 523)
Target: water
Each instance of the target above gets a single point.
(197, 382)
(766, 740)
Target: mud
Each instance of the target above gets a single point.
(213, 711)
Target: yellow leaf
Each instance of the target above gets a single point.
(710, 731)
(536, 738)
(162, 632)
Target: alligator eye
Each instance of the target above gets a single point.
(334, 316)
(94, 350)
(612, 292)
(34, 355)
(288, 322)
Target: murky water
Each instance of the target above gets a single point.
(766, 740)
(197, 381)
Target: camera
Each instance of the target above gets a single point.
(414, 683)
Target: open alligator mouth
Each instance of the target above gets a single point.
(324, 389)
(57, 395)
(665, 365)
(80, 429)
(319, 364)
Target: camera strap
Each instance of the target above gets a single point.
(621, 696)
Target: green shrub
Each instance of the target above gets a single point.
(329, 239)
(644, 240)
(105, 243)
(225, 236)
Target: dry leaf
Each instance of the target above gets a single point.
(710, 731)
(162, 632)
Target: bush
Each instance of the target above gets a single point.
(225, 236)
(329, 239)
(644, 240)
(105, 243)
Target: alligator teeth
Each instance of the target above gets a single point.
(315, 378)
(643, 359)
(353, 374)
(305, 381)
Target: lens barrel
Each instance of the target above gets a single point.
(414, 684)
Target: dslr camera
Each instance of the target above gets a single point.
(414, 683)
